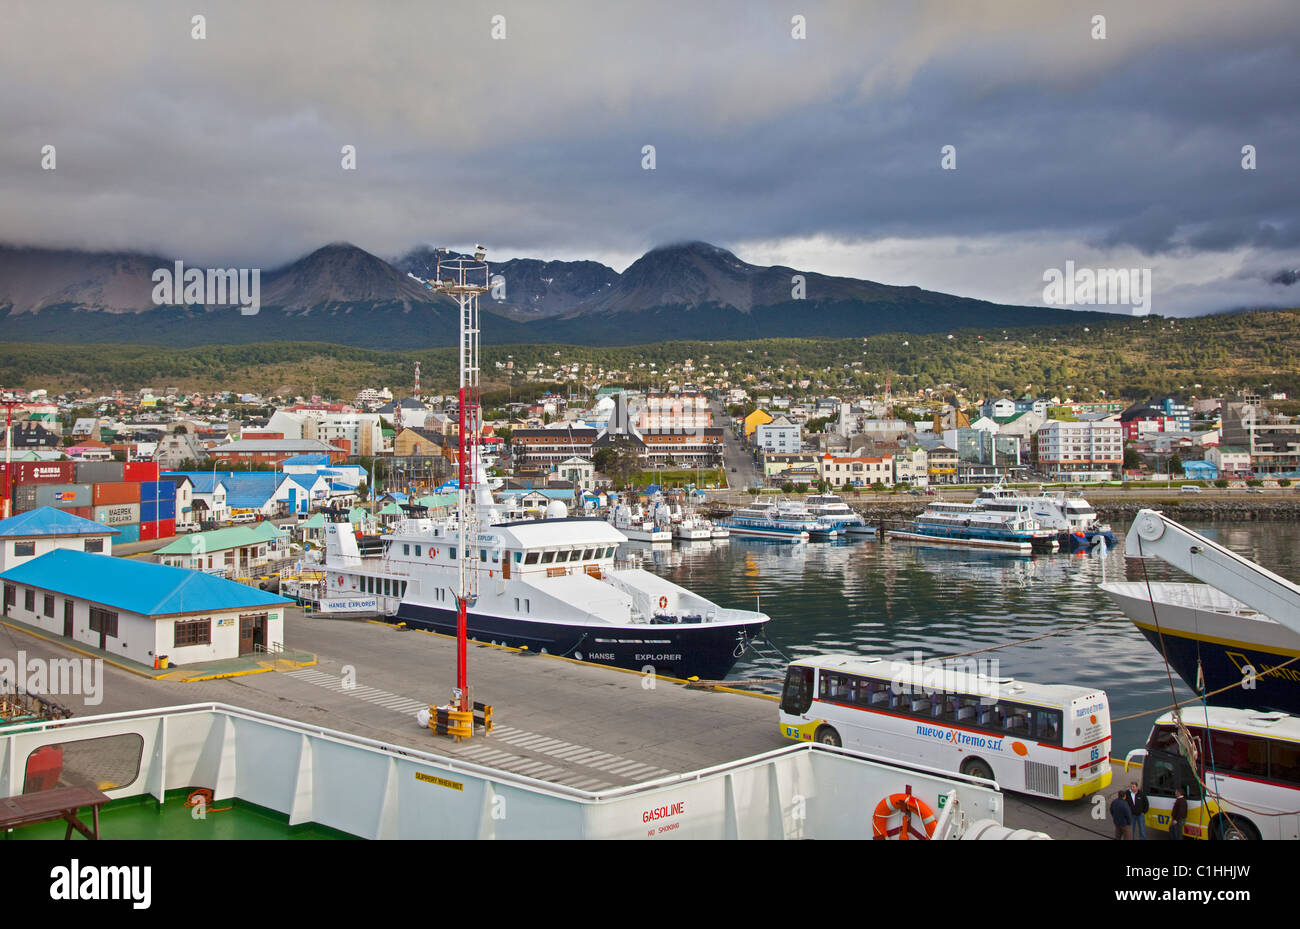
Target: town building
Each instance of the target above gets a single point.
(30, 535)
(1231, 461)
(1272, 440)
(1080, 451)
(778, 436)
(141, 611)
(235, 552)
(856, 471)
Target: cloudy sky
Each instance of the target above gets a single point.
(823, 153)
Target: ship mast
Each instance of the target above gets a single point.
(464, 279)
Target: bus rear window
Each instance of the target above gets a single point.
(796, 697)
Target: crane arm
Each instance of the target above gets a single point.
(1155, 535)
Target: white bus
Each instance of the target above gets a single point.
(1250, 766)
(1042, 739)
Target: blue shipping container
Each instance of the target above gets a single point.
(128, 534)
(151, 511)
(157, 490)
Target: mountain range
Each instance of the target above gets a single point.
(345, 295)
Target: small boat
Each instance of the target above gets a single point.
(692, 528)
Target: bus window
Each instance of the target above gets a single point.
(1161, 773)
(1047, 726)
(968, 710)
(1240, 754)
(1015, 720)
(1284, 761)
(796, 697)
(944, 708)
(1162, 740)
(876, 693)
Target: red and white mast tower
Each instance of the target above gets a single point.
(464, 279)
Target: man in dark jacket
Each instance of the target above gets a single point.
(1122, 816)
(1137, 802)
(1178, 815)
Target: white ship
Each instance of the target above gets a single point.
(832, 509)
(551, 585)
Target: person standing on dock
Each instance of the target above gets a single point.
(1138, 803)
(1178, 815)
(1122, 816)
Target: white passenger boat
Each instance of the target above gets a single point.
(832, 509)
(971, 526)
(548, 584)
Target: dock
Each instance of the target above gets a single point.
(561, 721)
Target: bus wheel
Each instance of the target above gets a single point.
(1229, 827)
(976, 768)
(828, 736)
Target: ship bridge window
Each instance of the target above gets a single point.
(548, 557)
(519, 556)
(406, 549)
(586, 555)
(496, 557)
(531, 558)
(482, 555)
(609, 552)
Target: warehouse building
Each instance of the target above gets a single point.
(143, 611)
(30, 535)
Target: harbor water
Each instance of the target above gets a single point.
(896, 600)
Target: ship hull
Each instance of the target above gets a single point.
(707, 651)
(1201, 626)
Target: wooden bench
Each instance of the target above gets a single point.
(48, 805)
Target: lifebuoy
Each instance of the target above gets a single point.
(663, 603)
(340, 580)
(909, 806)
(433, 553)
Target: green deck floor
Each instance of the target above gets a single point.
(145, 818)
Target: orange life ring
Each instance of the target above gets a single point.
(909, 806)
(340, 580)
(433, 553)
(663, 603)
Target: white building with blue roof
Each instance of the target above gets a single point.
(44, 529)
(142, 611)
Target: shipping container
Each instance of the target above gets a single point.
(157, 490)
(85, 512)
(140, 471)
(63, 496)
(118, 514)
(44, 472)
(118, 492)
(154, 510)
(148, 532)
(99, 472)
(166, 528)
(127, 534)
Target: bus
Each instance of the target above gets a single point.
(1042, 739)
(1249, 766)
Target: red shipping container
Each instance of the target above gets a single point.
(166, 528)
(117, 492)
(148, 532)
(44, 472)
(138, 471)
(85, 512)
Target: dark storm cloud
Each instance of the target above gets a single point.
(228, 149)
